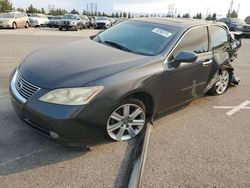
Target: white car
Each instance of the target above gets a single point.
(102, 23)
(14, 20)
(37, 20)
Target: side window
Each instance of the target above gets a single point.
(218, 37)
(18, 15)
(195, 40)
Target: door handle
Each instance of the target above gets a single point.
(206, 63)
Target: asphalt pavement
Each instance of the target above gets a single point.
(197, 146)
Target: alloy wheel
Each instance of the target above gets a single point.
(222, 84)
(126, 122)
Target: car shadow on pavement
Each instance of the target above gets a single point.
(22, 149)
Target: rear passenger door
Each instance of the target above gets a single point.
(188, 81)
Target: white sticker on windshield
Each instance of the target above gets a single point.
(162, 32)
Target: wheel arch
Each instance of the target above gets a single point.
(147, 99)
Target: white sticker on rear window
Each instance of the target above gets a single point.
(162, 32)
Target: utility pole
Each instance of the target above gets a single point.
(231, 7)
(238, 10)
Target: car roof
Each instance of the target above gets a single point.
(177, 22)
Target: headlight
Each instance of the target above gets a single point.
(73, 23)
(71, 96)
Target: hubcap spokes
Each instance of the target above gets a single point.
(223, 82)
(126, 122)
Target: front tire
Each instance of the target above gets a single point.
(127, 120)
(14, 26)
(223, 83)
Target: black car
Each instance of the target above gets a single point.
(83, 91)
(236, 24)
(54, 21)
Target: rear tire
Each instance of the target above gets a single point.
(127, 120)
(27, 25)
(222, 84)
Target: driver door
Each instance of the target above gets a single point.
(189, 80)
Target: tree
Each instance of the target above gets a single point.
(178, 16)
(186, 15)
(5, 5)
(129, 15)
(120, 15)
(112, 15)
(74, 11)
(43, 11)
(117, 15)
(232, 14)
(20, 9)
(209, 17)
(198, 16)
(214, 17)
(124, 15)
(31, 9)
(58, 12)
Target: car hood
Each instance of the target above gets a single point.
(102, 21)
(77, 63)
(67, 20)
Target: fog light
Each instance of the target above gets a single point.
(54, 135)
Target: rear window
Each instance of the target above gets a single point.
(219, 37)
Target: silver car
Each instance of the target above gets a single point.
(14, 20)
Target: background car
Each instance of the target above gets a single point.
(73, 22)
(92, 21)
(236, 24)
(247, 20)
(85, 21)
(14, 20)
(102, 23)
(54, 21)
(38, 20)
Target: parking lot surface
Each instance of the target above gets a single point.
(198, 146)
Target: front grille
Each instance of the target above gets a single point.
(24, 88)
(101, 24)
(246, 27)
(66, 23)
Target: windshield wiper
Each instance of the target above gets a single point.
(121, 47)
(117, 45)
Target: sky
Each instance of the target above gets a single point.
(146, 6)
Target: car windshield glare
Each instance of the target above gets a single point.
(7, 15)
(70, 17)
(138, 37)
(237, 20)
(102, 18)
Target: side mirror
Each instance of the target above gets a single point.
(78, 19)
(184, 57)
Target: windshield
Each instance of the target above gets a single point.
(70, 17)
(101, 18)
(138, 37)
(7, 15)
(237, 20)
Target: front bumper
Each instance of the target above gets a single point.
(70, 125)
(5, 25)
(67, 26)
